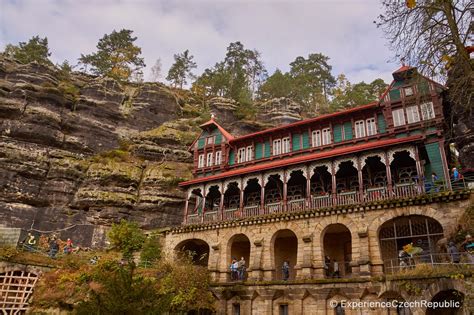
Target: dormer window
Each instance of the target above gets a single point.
(408, 91)
(210, 140)
(398, 117)
(413, 115)
(427, 111)
(241, 155)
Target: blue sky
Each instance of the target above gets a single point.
(280, 30)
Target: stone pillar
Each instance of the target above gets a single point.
(389, 174)
(305, 270)
(297, 296)
(267, 296)
(363, 262)
(255, 269)
(213, 265)
(361, 180)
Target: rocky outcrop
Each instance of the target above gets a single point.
(279, 111)
(78, 153)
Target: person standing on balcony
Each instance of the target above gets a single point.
(233, 269)
(336, 273)
(454, 253)
(455, 174)
(242, 268)
(285, 270)
(327, 261)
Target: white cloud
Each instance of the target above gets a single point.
(280, 30)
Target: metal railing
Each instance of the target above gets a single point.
(460, 260)
(404, 190)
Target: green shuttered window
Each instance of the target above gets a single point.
(305, 140)
(337, 133)
(231, 157)
(296, 139)
(348, 130)
(381, 123)
(258, 150)
(267, 149)
(436, 163)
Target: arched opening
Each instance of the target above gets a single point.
(273, 194)
(404, 174)
(213, 199)
(452, 301)
(321, 187)
(296, 191)
(420, 231)
(195, 206)
(231, 201)
(252, 197)
(239, 246)
(195, 249)
(374, 176)
(285, 249)
(347, 183)
(337, 249)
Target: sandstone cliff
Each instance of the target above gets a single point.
(78, 153)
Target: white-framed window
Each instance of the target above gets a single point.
(408, 91)
(398, 117)
(359, 129)
(427, 111)
(413, 115)
(201, 161)
(241, 155)
(249, 153)
(285, 148)
(209, 159)
(218, 158)
(277, 147)
(210, 140)
(371, 127)
(326, 136)
(316, 138)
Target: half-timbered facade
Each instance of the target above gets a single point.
(387, 149)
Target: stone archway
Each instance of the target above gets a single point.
(452, 303)
(337, 249)
(238, 248)
(284, 248)
(196, 249)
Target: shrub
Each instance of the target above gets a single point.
(151, 250)
(126, 237)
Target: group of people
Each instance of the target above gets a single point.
(237, 269)
(53, 243)
(467, 246)
(334, 271)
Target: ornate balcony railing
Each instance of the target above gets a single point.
(296, 205)
(273, 208)
(348, 198)
(404, 190)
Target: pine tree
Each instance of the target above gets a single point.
(36, 49)
(182, 68)
(117, 56)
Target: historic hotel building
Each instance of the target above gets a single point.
(344, 187)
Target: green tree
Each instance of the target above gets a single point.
(313, 81)
(347, 95)
(127, 237)
(117, 56)
(36, 49)
(182, 68)
(279, 84)
(151, 250)
(238, 76)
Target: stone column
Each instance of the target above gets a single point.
(389, 175)
(297, 296)
(255, 268)
(305, 270)
(213, 265)
(363, 262)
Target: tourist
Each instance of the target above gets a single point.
(404, 259)
(455, 174)
(454, 253)
(29, 243)
(336, 269)
(434, 179)
(242, 268)
(68, 248)
(286, 270)
(327, 261)
(233, 269)
(53, 247)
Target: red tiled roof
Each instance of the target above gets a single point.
(307, 121)
(303, 158)
(403, 68)
(224, 132)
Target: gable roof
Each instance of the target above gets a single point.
(224, 132)
(303, 159)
